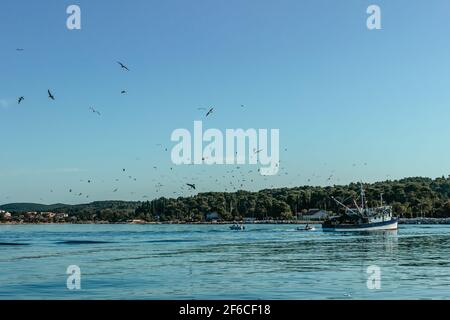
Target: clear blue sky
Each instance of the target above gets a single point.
(349, 102)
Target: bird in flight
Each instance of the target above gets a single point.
(258, 151)
(19, 49)
(50, 95)
(191, 185)
(210, 111)
(94, 111)
(123, 66)
(123, 92)
(20, 100)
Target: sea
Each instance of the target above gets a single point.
(181, 261)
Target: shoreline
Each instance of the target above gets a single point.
(169, 222)
(425, 221)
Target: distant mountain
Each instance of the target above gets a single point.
(23, 207)
(59, 207)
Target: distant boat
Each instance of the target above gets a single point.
(237, 227)
(362, 218)
(306, 228)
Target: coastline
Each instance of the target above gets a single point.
(170, 222)
(426, 221)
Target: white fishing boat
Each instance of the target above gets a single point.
(362, 218)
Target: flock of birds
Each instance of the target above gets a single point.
(52, 97)
(224, 179)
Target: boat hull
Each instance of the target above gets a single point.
(385, 225)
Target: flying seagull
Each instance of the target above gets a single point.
(123, 66)
(94, 111)
(123, 92)
(19, 49)
(50, 95)
(20, 100)
(191, 185)
(210, 111)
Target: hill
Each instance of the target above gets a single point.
(26, 207)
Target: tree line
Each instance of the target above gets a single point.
(410, 197)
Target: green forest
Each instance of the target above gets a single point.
(410, 197)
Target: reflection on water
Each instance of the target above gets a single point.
(212, 262)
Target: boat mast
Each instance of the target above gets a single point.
(362, 197)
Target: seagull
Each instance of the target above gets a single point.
(94, 111)
(123, 66)
(50, 95)
(210, 111)
(191, 185)
(20, 100)
(19, 49)
(123, 92)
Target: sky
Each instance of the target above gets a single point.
(351, 104)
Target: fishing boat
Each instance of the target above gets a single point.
(362, 218)
(237, 227)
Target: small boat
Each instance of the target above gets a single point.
(306, 228)
(237, 227)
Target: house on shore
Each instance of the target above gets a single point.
(5, 215)
(212, 216)
(313, 215)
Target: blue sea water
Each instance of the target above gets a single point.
(213, 262)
